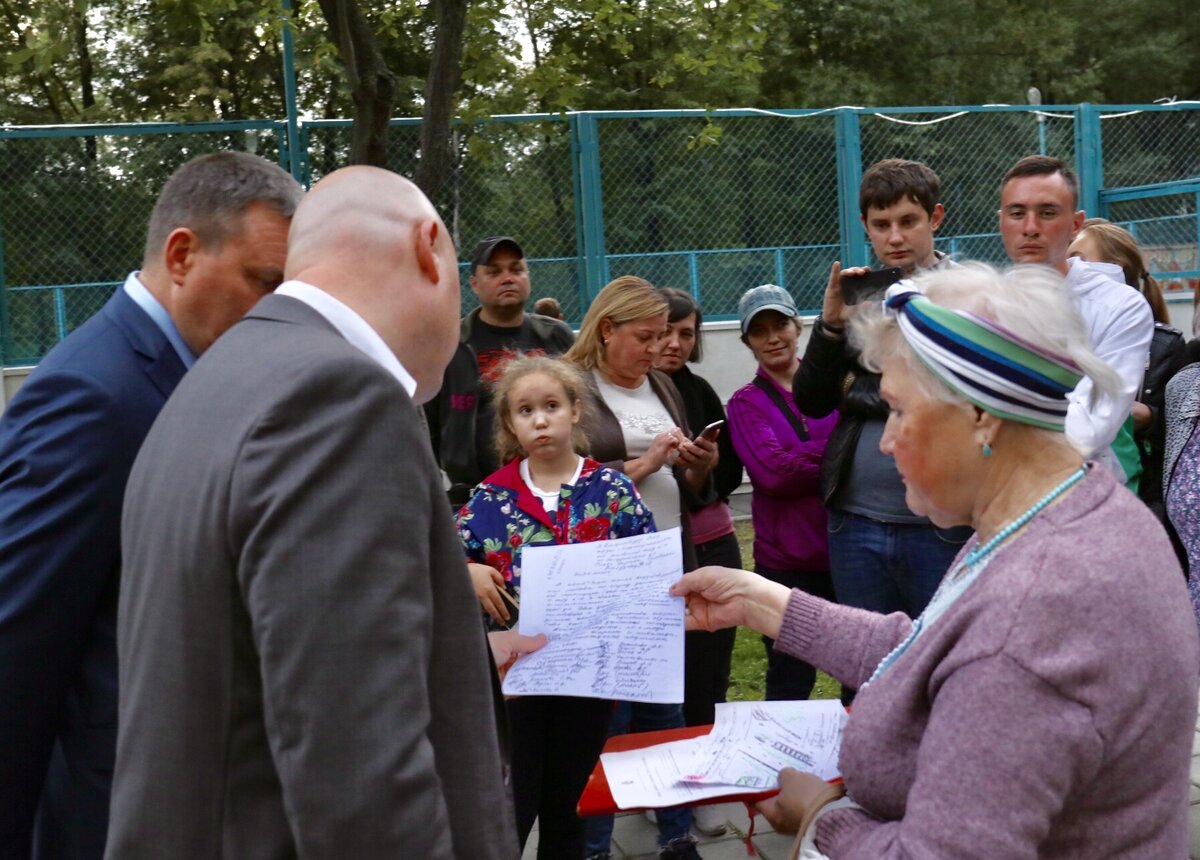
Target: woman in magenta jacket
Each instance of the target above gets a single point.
(782, 450)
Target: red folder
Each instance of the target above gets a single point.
(597, 797)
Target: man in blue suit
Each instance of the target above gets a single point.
(216, 243)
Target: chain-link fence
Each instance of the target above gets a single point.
(73, 212)
(711, 202)
(1165, 225)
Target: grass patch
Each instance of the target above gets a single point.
(747, 675)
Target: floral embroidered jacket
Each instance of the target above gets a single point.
(503, 516)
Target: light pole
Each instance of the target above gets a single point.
(1034, 95)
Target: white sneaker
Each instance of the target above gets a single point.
(708, 820)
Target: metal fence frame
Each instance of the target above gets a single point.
(595, 265)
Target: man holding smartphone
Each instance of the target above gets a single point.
(882, 556)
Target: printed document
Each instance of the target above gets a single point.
(748, 746)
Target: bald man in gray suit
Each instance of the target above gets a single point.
(303, 667)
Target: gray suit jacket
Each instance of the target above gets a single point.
(303, 670)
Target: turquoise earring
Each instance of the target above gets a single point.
(987, 450)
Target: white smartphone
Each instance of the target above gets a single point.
(711, 431)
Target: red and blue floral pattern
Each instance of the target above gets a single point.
(503, 516)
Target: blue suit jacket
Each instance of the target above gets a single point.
(67, 443)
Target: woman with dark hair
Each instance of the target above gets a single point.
(708, 655)
(782, 449)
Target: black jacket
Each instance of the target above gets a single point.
(703, 407)
(1167, 355)
(829, 378)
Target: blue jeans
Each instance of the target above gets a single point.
(640, 717)
(889, 567)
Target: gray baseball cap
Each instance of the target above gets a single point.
(767, 297)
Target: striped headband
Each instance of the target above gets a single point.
(987, 364)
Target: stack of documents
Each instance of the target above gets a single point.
(748, 746)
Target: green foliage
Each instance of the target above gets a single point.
(668, 184)
(213, 59)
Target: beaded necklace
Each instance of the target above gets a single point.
(968, 570)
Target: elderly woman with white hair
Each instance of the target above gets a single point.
(1044, 703)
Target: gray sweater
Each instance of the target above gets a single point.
(1048, 713)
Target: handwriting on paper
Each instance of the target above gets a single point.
(614, 631)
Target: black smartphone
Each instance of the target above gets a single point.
(710, 432)
(869, 285)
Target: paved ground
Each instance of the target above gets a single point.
(739, 503)
(634, 838)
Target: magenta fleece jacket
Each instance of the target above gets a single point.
(785, 473)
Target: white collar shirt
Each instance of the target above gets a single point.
(351, 326)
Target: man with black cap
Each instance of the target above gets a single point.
(460, 419)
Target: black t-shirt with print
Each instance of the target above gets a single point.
(495, 347)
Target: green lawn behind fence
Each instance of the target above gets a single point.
(747, 676)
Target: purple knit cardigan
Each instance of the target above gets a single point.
(1048, 713)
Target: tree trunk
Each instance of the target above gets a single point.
(87, 92)
(441, 85)
(372, 84)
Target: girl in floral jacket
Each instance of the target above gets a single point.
(546, 493)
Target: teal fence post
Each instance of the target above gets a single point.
(576, 185)
(1089, 158)
(589, 205)
(294, 164)
(60, 313)
(849, 169)
(5, 332)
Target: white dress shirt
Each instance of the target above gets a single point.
(353, 328)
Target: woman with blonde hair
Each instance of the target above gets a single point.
(1101, 241)
(1044, 703)
(638, 425)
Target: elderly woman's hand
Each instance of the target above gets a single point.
(508, 645)
(800, 796)
(719, 597)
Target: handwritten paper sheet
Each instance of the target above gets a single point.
(749, 744)
(614, 630)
